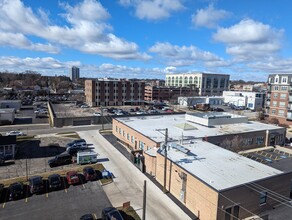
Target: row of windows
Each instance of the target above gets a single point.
(249, 141)
(116, 97)
(130, 138)
(281, 104)
(283, 88)
(280, 112)
(282, 95)
(123, 85)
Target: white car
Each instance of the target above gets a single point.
(96, 114)
(15, 133)
(84, 106)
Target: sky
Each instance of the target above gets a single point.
(247, 39)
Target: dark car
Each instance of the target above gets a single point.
(61, 159)
(74, 149)
(54, 181)
(36, 184)
(80, 142)
(89, 173)
(72, 177)
(110, 213)
(16, 191)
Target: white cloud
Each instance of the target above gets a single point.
(20, 41)
(86, 28)
(184, 55)
(153, 9)
(249, 40)
(209, 17)
(170, 69)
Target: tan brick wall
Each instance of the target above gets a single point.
(148, 143)
(200, 199)
(248, 196)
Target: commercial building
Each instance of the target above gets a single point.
(191, 101)
(15, 104)
(202, 83)
(105, 92)
(74, 73)
(202, 171)
(279, 98)
(7, 116)
(251, 100)
(162, 93)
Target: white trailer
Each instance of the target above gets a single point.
(85, 157)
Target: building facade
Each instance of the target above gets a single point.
(251, 100)
(74, 73)
(104, 92)
(162, 93)
(202, 83)
(191, 101)
(210, 180)
(279, 98)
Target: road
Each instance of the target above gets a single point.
(128, 183)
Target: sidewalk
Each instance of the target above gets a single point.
(129, 181)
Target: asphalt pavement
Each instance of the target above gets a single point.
(129, 181)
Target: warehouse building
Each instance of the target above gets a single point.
(202, 172)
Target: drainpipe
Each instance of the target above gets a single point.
(267, 138)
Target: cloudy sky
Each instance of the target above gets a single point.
(247, 39)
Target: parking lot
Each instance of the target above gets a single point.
(268, 156)
(70, 202)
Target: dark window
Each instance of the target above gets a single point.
(263, 197)
(236, 212)
(228, 214)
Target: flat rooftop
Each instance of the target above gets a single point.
(71, 110)
(217, 167)
(178, 126)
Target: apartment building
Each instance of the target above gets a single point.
(279, 98)
(105, 92)
(162, 93)
(202, 172)
(74, 73)
(202, 83)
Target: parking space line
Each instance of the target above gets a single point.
(94, 216)
(3, 206)
(47, 195)
(83, 186)
(26, 199)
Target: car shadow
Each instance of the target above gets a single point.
(102, 160)
(82, 179)
(125, 216)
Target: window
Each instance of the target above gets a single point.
(282, 104)
(273, 111)
(228, 214)
(141, 145)
(284, 88)
(275, 95)
(276, 88)
(284, 80)
(128, 137)
(132, 139)
(283, 95)
(248, 141)
(275, 103)
(120, 130)
(260, 140)
(116, 128)
(281, 112)
(123, 133)
(263, 198)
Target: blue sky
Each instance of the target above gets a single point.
(247, 39)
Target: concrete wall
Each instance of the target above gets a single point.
(6, 117)
(199, 198)
(150, 164)
(248, 196)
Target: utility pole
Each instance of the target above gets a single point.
(165, 159)
(101, 111)
(144, 202)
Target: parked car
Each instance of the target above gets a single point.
(89, 173)
(84, 106)
(110, 213)
(15, 133)
(96, 114)
(36, 184)
(16, 191)
(54, 181)
(77, 143)
(61, 159)
(72, 177)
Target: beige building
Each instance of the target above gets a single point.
(212, 182)
(201, 83)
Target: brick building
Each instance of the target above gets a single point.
(279, 98)
(162, 93)
(202, 172)
(114, 92)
